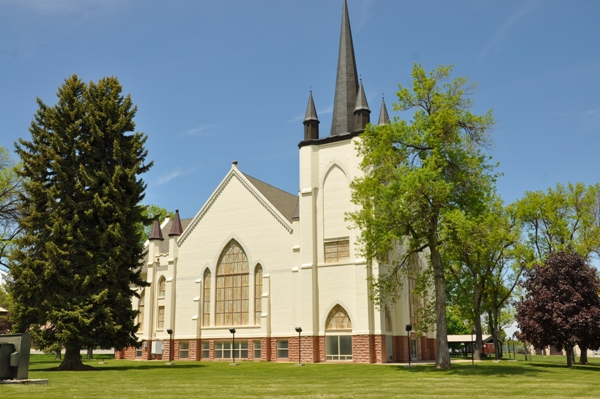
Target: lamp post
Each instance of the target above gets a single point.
(408, 330)
(508, 347)
(232, 331)
(472, 348)
(299, 330)
(170, 332)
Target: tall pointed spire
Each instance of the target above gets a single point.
(311, 120)
(346, 84)
(384, 118)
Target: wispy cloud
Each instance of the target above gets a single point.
(60, 5)
(503, 31)
(198, 131)
(164, 179)
(324, 111)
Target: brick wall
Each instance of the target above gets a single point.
(361, 349)
(365, 349)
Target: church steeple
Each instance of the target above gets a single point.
(384, 118)
(311, 120)
(346, 85)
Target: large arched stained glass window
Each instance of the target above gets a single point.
(206, 299)
(258, 290)
(233, 297)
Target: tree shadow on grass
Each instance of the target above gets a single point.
(576, 366)
(127, 367)
(479, 370)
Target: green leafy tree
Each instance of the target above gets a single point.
(77, 263)
(415, 173)
(484, 258)
(10, 187)
(563, 219)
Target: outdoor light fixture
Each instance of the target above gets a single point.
(408, 330)
(299, 330)
(232, 331)
(170, 332)
(508, 347)
(514, 351)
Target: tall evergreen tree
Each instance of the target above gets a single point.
(78, 259)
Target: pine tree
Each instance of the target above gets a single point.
(78, 260)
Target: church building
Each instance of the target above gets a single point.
(262, 274)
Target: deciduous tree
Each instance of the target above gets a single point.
(10, 186)
(561, 305)
(416, 172)
(77, 263)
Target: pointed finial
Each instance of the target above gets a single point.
(176, 228)
(384, 118)
(156, 233)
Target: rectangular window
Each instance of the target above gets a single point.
(160, 320)
(256, 350)
(338, 347)
(282, 349)
(413, 348)
(223, 350)
(389, 346)
(206, 350)
(184, 350)
(337, 250)
(139, 351)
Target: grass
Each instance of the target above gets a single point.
(540, 378)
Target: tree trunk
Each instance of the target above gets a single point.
(477, 348)
(58, 355)
(442, 359)
(570, 355)
(72, 360)
(90, 352)
(583, 359)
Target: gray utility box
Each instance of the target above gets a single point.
(14, 356)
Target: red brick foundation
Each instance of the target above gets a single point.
(365, 349)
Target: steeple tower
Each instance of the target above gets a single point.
(311, 120)
(346, 84)
(384, 118)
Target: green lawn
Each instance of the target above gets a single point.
(540, 378)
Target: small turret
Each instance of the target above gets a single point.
(361, 110)
(311, 120)
(156, 233)
(176, 229)
(384, 118)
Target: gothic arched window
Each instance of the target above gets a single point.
(233, 297)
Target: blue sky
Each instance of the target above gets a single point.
(217, 81)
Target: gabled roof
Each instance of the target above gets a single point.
(282, 200)
(280, 204)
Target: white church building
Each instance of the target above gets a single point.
(267, 263)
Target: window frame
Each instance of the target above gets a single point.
(283, 347)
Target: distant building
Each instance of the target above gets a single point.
(3, 276)
(264, 262)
